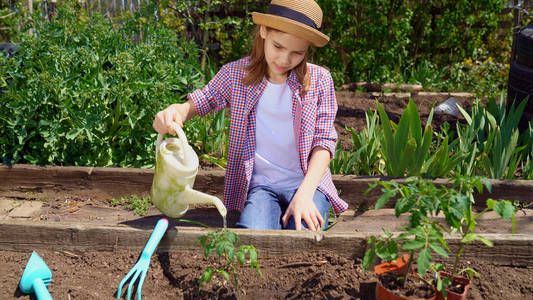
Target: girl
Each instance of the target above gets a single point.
(281, 136)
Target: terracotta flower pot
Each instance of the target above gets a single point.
(459, 280)
(399, 267)
(383, 293)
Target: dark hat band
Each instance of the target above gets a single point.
(292, 14)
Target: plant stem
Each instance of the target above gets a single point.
(411, 254)
(235, 278)
(461, 249)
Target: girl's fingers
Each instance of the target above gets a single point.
(297, 222)
(312, 223)
(159, 123)
(313, 220)
(284, 220)
(169, 118)
(177, 119)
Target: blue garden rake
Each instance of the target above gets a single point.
(141, 267)
(36, 278)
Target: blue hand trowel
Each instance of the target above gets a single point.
(36, 278)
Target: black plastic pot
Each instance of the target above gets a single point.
(521, 87)
(524, 46)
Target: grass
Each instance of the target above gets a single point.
(139, 205)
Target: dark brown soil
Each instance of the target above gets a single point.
(174, 275)
(414, 287)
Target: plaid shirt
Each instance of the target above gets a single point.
(313, 118)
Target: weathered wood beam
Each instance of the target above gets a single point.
(515, 250)
(27, 181)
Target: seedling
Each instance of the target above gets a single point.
(421, 237)
(224, 244)
(464, 221)
(423, 201)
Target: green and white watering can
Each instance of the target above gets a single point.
(176, 166)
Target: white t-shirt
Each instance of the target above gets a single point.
(277, 163)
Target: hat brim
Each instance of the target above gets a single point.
(298, 29)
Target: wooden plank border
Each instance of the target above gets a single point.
(28, 181)
(514, 250)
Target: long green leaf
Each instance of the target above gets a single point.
(423, 261)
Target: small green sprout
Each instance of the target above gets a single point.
(224, 244)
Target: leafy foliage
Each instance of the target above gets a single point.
(224, 244)
(210, 135)
(11, 19)
(84, 91)
(491, 136)
(414, 41)
(405, 149)
(368, 142)
(424, 235)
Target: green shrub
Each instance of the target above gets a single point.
(84, 91)
(11, 20)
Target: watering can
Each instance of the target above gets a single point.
(176, 166)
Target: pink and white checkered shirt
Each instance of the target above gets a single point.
(313, 118)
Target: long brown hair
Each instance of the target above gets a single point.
(258, 68)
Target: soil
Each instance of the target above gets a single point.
(174, 275)
(316, 275)
(414, 287)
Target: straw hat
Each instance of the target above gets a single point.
(302, 18)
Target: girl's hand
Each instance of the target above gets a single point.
(301, 208)
(164, 119)
(175, 113)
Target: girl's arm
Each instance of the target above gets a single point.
(302, 206)
(214, 96)
(178, 113)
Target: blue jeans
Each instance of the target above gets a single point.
(264, 208)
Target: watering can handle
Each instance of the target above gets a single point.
(181, 136)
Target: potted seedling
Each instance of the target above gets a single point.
(461, 217)
(422, 200)
(421, 237)
(224, 244)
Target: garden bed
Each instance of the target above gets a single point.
(90, 245)
(66, 215)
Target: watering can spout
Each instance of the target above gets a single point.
(191, 196)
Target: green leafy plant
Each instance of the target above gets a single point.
(343, 162)
(367, 144)
(527, 168)
(224, 244)
(494, 130)
(461, 216)
(421, 237)
(12, 19)
(424, 235)
(84, 91)
(139, 205)
(210, 136)
(404, 146)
